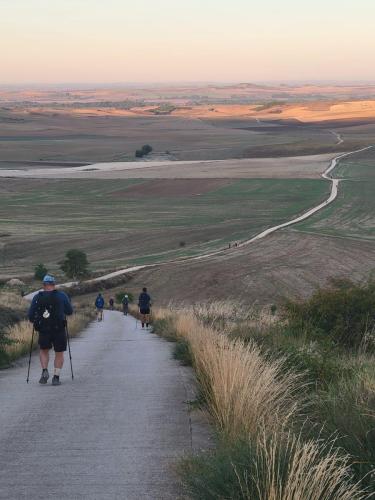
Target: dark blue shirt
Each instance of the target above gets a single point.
(99, 302)
(144, 301)
(65, 307)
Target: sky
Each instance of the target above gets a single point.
(105, 41)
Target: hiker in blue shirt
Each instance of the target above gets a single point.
(99, 304)
(47, 312)
(144, 304)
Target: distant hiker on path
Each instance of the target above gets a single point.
(47, 312)
(99, 304)
(111, 303)
(125, 305)
(144, 304)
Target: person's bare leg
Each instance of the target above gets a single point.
(44, 358)
(59, 360)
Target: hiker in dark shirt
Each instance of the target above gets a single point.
(47, 312)
(144, 304)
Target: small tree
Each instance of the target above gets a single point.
(139, 153)
(75, 265)
(40, 271)
(146, 149)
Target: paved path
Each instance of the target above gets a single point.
(112, 433)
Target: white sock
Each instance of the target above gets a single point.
(57, 372)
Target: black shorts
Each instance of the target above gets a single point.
(57, 339)
(145, 311)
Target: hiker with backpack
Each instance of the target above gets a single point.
(111, 303)
(99, 304)
(47, 312)
(144, 305)
(125, 305)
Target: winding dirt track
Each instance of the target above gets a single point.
(333, 195)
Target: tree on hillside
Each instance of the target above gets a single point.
(145, 150)
(40, 271)
(75, 265)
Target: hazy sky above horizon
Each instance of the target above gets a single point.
(51, 41)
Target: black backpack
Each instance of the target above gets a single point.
(47, 318)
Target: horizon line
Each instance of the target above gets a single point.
(317, 82)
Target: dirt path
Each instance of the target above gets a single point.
(333, 195)
(114, 432)
(338, 136)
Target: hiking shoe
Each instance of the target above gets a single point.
(44, 377)
(56, 380)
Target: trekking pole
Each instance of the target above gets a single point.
(31, 348)
(70, 353)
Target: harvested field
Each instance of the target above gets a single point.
(59, 136)
(297, 167)
(287, 264)
(172, 188)
(43, 218)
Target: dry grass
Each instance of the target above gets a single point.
(288, 468)
(257, 399)
(244, 391)
(13, 300)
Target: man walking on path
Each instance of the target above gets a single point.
(99, 304)
(47, 312)
(125, 305)
(144, 304)
(111, 303)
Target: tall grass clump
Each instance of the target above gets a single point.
(274, 466)
(258, 398)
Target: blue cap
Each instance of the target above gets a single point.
(49, 279)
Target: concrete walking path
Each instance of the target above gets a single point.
(115, 432)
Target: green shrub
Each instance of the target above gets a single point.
(182, 352)
(347, 409)
(40, 271)
(344, 312)
(165, 328)
(146, 149)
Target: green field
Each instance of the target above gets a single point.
(125, 221)
(352, 215)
